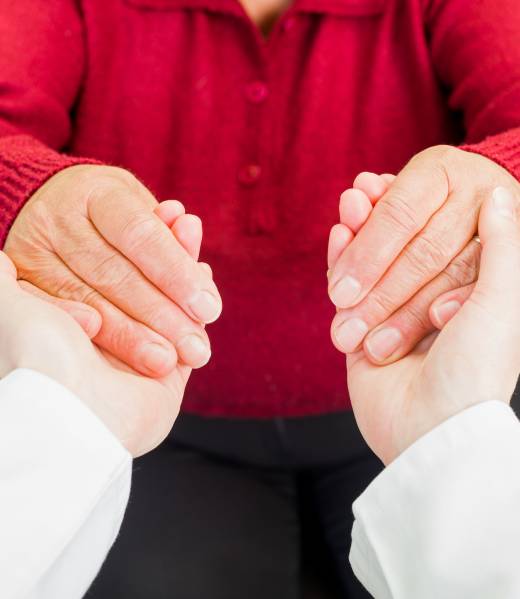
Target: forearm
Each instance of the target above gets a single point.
(475, 49)
(41, 69)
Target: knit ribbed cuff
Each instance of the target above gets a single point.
(504, 149)
(25, 165)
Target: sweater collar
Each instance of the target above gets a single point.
(332, 7)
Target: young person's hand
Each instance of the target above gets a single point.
(417, 243)
(35, 334)
(475, 358)
(96, 235)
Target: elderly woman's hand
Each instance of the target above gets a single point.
(417, 244)
(475, 358)
(96, 235)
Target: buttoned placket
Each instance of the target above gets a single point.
(254, 174)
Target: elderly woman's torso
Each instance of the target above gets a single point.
(259, 135)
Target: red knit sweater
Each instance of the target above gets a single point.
(258, 138)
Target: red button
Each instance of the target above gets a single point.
(249, 175)
(289, 24)
(257, 92)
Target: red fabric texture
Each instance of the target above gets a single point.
(258, 137)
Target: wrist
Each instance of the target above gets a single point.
(437, 413)
(42, 338)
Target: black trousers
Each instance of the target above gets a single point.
(265, 513)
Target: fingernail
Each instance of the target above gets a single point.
(446, 311)
(193, 351)
(205, 307)
(504, 203)
(345, 292)
(383, 343)
(155, 357)
(350, 334)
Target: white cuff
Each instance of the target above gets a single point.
(58, 464)
(443, 520)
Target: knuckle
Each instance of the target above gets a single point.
(111, 184)
(85, 295)
(34, 266)
(67, 289)
(417, 318)
(141, 231)
(110, 176)
(397, 210)
(80, 174)
(436, 158)
(128, 183)
(183, 272)
(123, 175)
(111, 275)
(83, 176)
(169, 321)
(32, 230)
(380, 304)
(434, 163)
(441, 152)
(122, 337)
(426, 257)
(463, 269)
(161, 321)
(93, 182)
(71, 289)
(181, 276)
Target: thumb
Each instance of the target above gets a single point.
(479, 347)
(188, 231)
(7, 268)
(88, 318)
(498, 286)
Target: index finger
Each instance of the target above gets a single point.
(129, 224)
(419, 190)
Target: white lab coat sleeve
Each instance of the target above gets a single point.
(64, 486)
(443, 519)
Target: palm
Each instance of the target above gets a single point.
(151, 404)
(378, 398)
(397, 403)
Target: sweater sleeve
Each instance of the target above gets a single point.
(41, 69)
(476, 51)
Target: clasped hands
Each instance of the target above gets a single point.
(401, 263)
(418, 245)
(95, 241)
